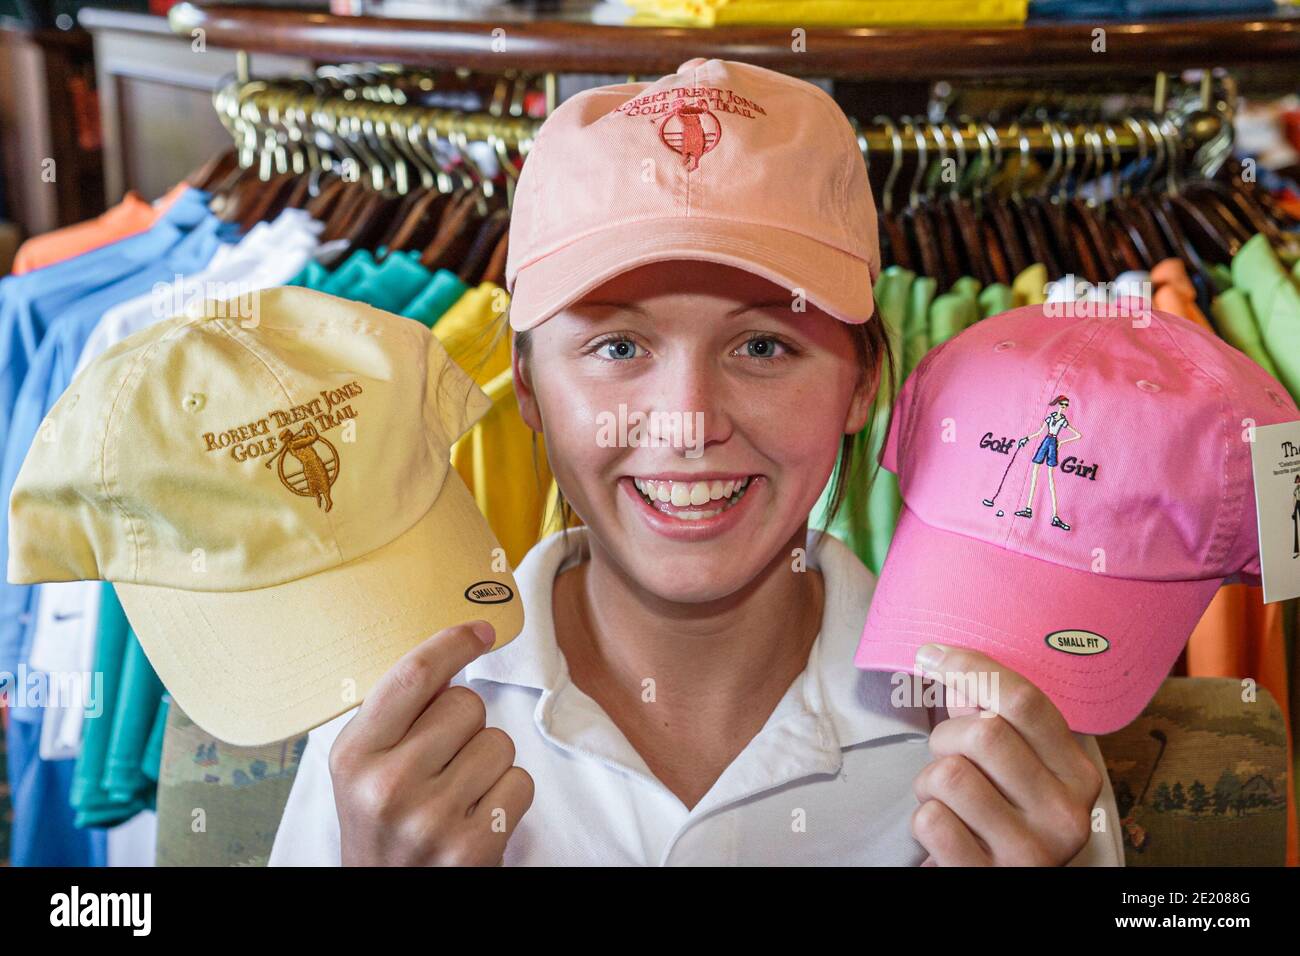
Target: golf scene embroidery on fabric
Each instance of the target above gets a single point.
(1046, 455)
(313, 475)
(691, 130)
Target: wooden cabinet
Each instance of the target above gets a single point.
(155, 95)
(49, 151)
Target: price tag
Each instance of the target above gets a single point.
(1275, 460)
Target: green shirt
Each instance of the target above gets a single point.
(1275, 301)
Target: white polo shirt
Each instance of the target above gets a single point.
(827, 781)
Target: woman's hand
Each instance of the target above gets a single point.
(1014, 788)
(419, 780)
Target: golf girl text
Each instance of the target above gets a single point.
(1069, 466)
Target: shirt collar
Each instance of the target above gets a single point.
(856, 704)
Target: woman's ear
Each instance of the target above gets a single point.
(524, 394)
(864, 397)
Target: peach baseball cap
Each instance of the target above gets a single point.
(721, 161)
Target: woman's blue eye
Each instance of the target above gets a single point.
(620, 349)
(762, 348)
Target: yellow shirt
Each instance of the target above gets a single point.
(1030, 287)
(846, 13)
(501, 460)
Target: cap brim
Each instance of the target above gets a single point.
(942, 587)
(255, 666)
(833, 280)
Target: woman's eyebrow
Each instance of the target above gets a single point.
(592, 305)
(783, 304)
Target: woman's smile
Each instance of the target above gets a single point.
(690, 499)
(690, 512)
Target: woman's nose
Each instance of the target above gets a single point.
(696, 390)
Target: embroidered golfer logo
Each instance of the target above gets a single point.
(691, 131)
(310, 474)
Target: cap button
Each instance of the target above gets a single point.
(692, 63)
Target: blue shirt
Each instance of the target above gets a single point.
(45, 318)
(50, 372)
(29, 303)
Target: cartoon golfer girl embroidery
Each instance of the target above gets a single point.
(1295, 519)
(1046, 455)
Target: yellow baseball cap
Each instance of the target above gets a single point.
(267, 485)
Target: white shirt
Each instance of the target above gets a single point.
(1055, 422)
(63, 646)
(827, 781)
(268, 255)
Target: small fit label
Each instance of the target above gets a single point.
(1077, 642)
(489, 592)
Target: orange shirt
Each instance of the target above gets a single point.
(128, 218)
(1175, 293)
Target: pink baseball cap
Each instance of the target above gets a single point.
(720, 161)
(1138, 461)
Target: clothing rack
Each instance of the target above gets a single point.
(374, 118)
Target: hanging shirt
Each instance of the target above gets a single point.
(473, 334)
(1135, 284)
(436, 298)
(1030, 286)
(89, 795)
(995, 299)
(954, 311)
(916, 322)
(501, 460)
(1275, 300)
(64, 302)
(387, 285)
(1174, 292)
(835, 751)
(265, 257)
(868, 526)
(29, 303)
(63, 647)
(131, 216)
(1236, 323)
(268, 255)
(503, 463)
(52, 367)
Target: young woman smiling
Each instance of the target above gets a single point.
(683, 691)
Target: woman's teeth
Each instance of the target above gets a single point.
(670, 496)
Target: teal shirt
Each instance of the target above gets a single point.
(438, 296)
(104, 733)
